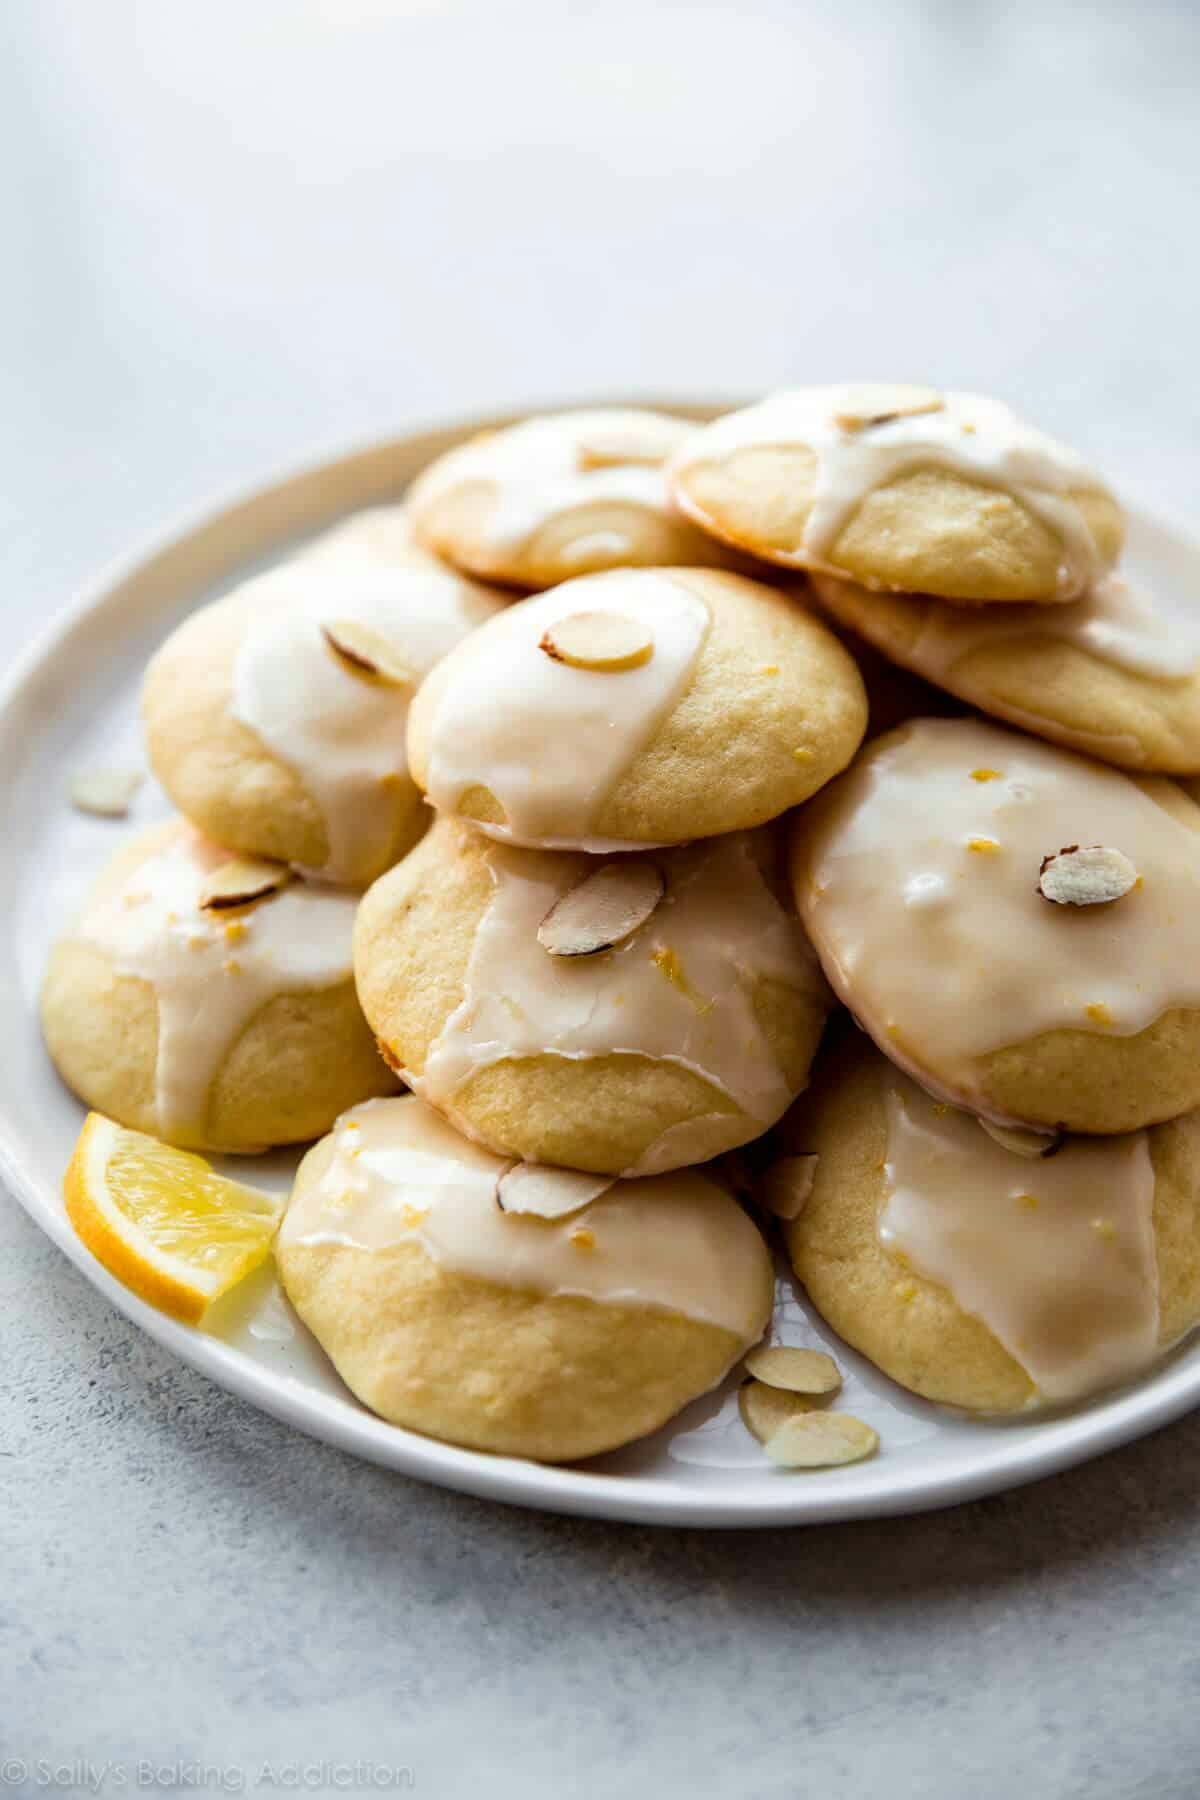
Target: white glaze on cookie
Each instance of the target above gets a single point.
(681, 989)
(548, 740)
(211, 972)
(972, 436)
(344, 733)
(394, 1171)
(918, 885)
(1116, 621)
(1055, 1255)
(544, 467)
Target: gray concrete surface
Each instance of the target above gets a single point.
(237, 235)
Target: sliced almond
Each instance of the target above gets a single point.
(547, 1193)
(799, 1371)
(1022, 1142)
(821, 1440)
(606, 642)
(107, 793)
(1090, 876)
(615, 452)
(764, 1408)
(785, 1187)
(367, 652)
(877, 403)
(603, 909)
(242, 882)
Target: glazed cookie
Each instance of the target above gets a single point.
(378, 534)
(210, 1002)
(1109, 674)
(900, 487)
(276, 717)
(1017, 927)
(551, 1337)
(980, 1277)
(563, 495)
(624, 1017)
(643, 706)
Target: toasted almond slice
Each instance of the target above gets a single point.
(877, 403)
(787, 1184)
(1091, 876)
(603, 909)
(1022, 1142)
(548, 1193)
(615, 452)
(821, 1440)
(242, 882)
(606, 642)
(367, 652)
(764, 1408)
(799, 1371)
(107, 793)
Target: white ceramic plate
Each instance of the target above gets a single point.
(73, 700)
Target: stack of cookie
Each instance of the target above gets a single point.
(1005, 1159)
(612, 650)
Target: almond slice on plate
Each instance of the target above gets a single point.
(799, 1371)
(606, 642)
(105, 793)
(787, 1184)
(878, 403)
(764, 1409)
(603, 909)
(241, 882)
(1023, 1142)
(821, 1440)
(1090, 876)
(367, 652)
(547, 1193)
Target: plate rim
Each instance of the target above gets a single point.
(635, 1498)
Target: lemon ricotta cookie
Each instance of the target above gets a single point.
(1017, 927)
(978, 1275)
(1110, 674)
(642, 706)
(903, 487)
(276, 717)
(449, 1307)
(626, 1015)
(561, 495)
(210, 1001)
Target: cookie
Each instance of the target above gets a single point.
(980, 1277)
(628, 1016)
(1109, 674)
(909, 488)
(642, 706)
(1003, 976)
(208, 1001)
(276, 717)
(552, 1338)
(561, 495)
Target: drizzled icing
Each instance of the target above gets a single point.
(343, 733)
(681, 989)
(548, 740)
(918, 883)
(1056, 1256)
(975, 437)
(393, 1172)
(544, 467)
(1116, 621)
(210, 972)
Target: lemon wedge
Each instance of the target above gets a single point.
(162, 1221)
